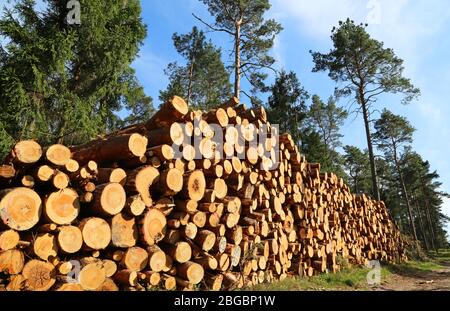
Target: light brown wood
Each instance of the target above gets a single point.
(152, 226)
(140, 180)
(124, 231)
(114, 175)
(170, 111)
(109, 199)
(134, 205)
(12, 261)
(92, 276)
(20, 208)
(96, 233)
(110, 149)
(58, 155)
(39, 275)
(191, 271)
(195, 186)
(170, 182)
(9, 239)
(62, 207)
(151, 216)
(180, 251)
(24, 152)
(157, 258)
(135, 259)
(205, 239)
(45, 246)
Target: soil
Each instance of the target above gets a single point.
(438, 280)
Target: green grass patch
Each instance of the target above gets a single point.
(415, 267)
(442, 257)
(348, 279)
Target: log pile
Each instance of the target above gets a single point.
(165, 204)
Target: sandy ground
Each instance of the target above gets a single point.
(425, 281)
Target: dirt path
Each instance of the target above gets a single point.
(438, 280)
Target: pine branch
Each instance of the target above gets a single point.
(212, 27)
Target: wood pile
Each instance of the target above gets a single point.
(165, 204)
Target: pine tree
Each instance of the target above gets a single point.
(253, 37)
(357, 166)
(393, 132)
(65, 83)
(427, 200)
(287, 104)
(321, 135)
(367, 70)
(203, 80)
(326, 119)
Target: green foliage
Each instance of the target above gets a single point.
(364, 69)
(203, 80)
(326, 119)
(252, 34)
(392, 131)
(287, 104)
(357, 165)
(321, 135)
(424, 185)
(360, 60)
(65, 83)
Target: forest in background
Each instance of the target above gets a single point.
(62, 83)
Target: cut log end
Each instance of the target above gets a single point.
(62, 207)
(58, 154)
(20, 208)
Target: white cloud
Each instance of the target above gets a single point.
(278, 53)
(150, 71)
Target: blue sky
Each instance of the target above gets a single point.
(417, 30)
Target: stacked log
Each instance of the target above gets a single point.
(166, 204)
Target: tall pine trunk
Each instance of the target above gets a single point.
(430, 222)
(405, 194)
(421, 226)
(237, 62)
(191, 74)
(373, 168)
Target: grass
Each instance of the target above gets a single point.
(355, 278)
(415, 267)
(348, 279)
(442, 257)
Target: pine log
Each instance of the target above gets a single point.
(173, 110)
(12, 261)
(58, 155)
(113, 175)
(134, 205)
(62, 207)
(20, 208)
(25, 152)
(191, 271)
(194, 186)
(180, 251)
(135, 259)
(124, 231)
(111, 149)
(92, 276)
(9, 239)
(39, 275)
(140, 181)
(96, 233)
(45, 246)
(170, 182)
(109, 199)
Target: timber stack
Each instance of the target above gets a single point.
(166, 204)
